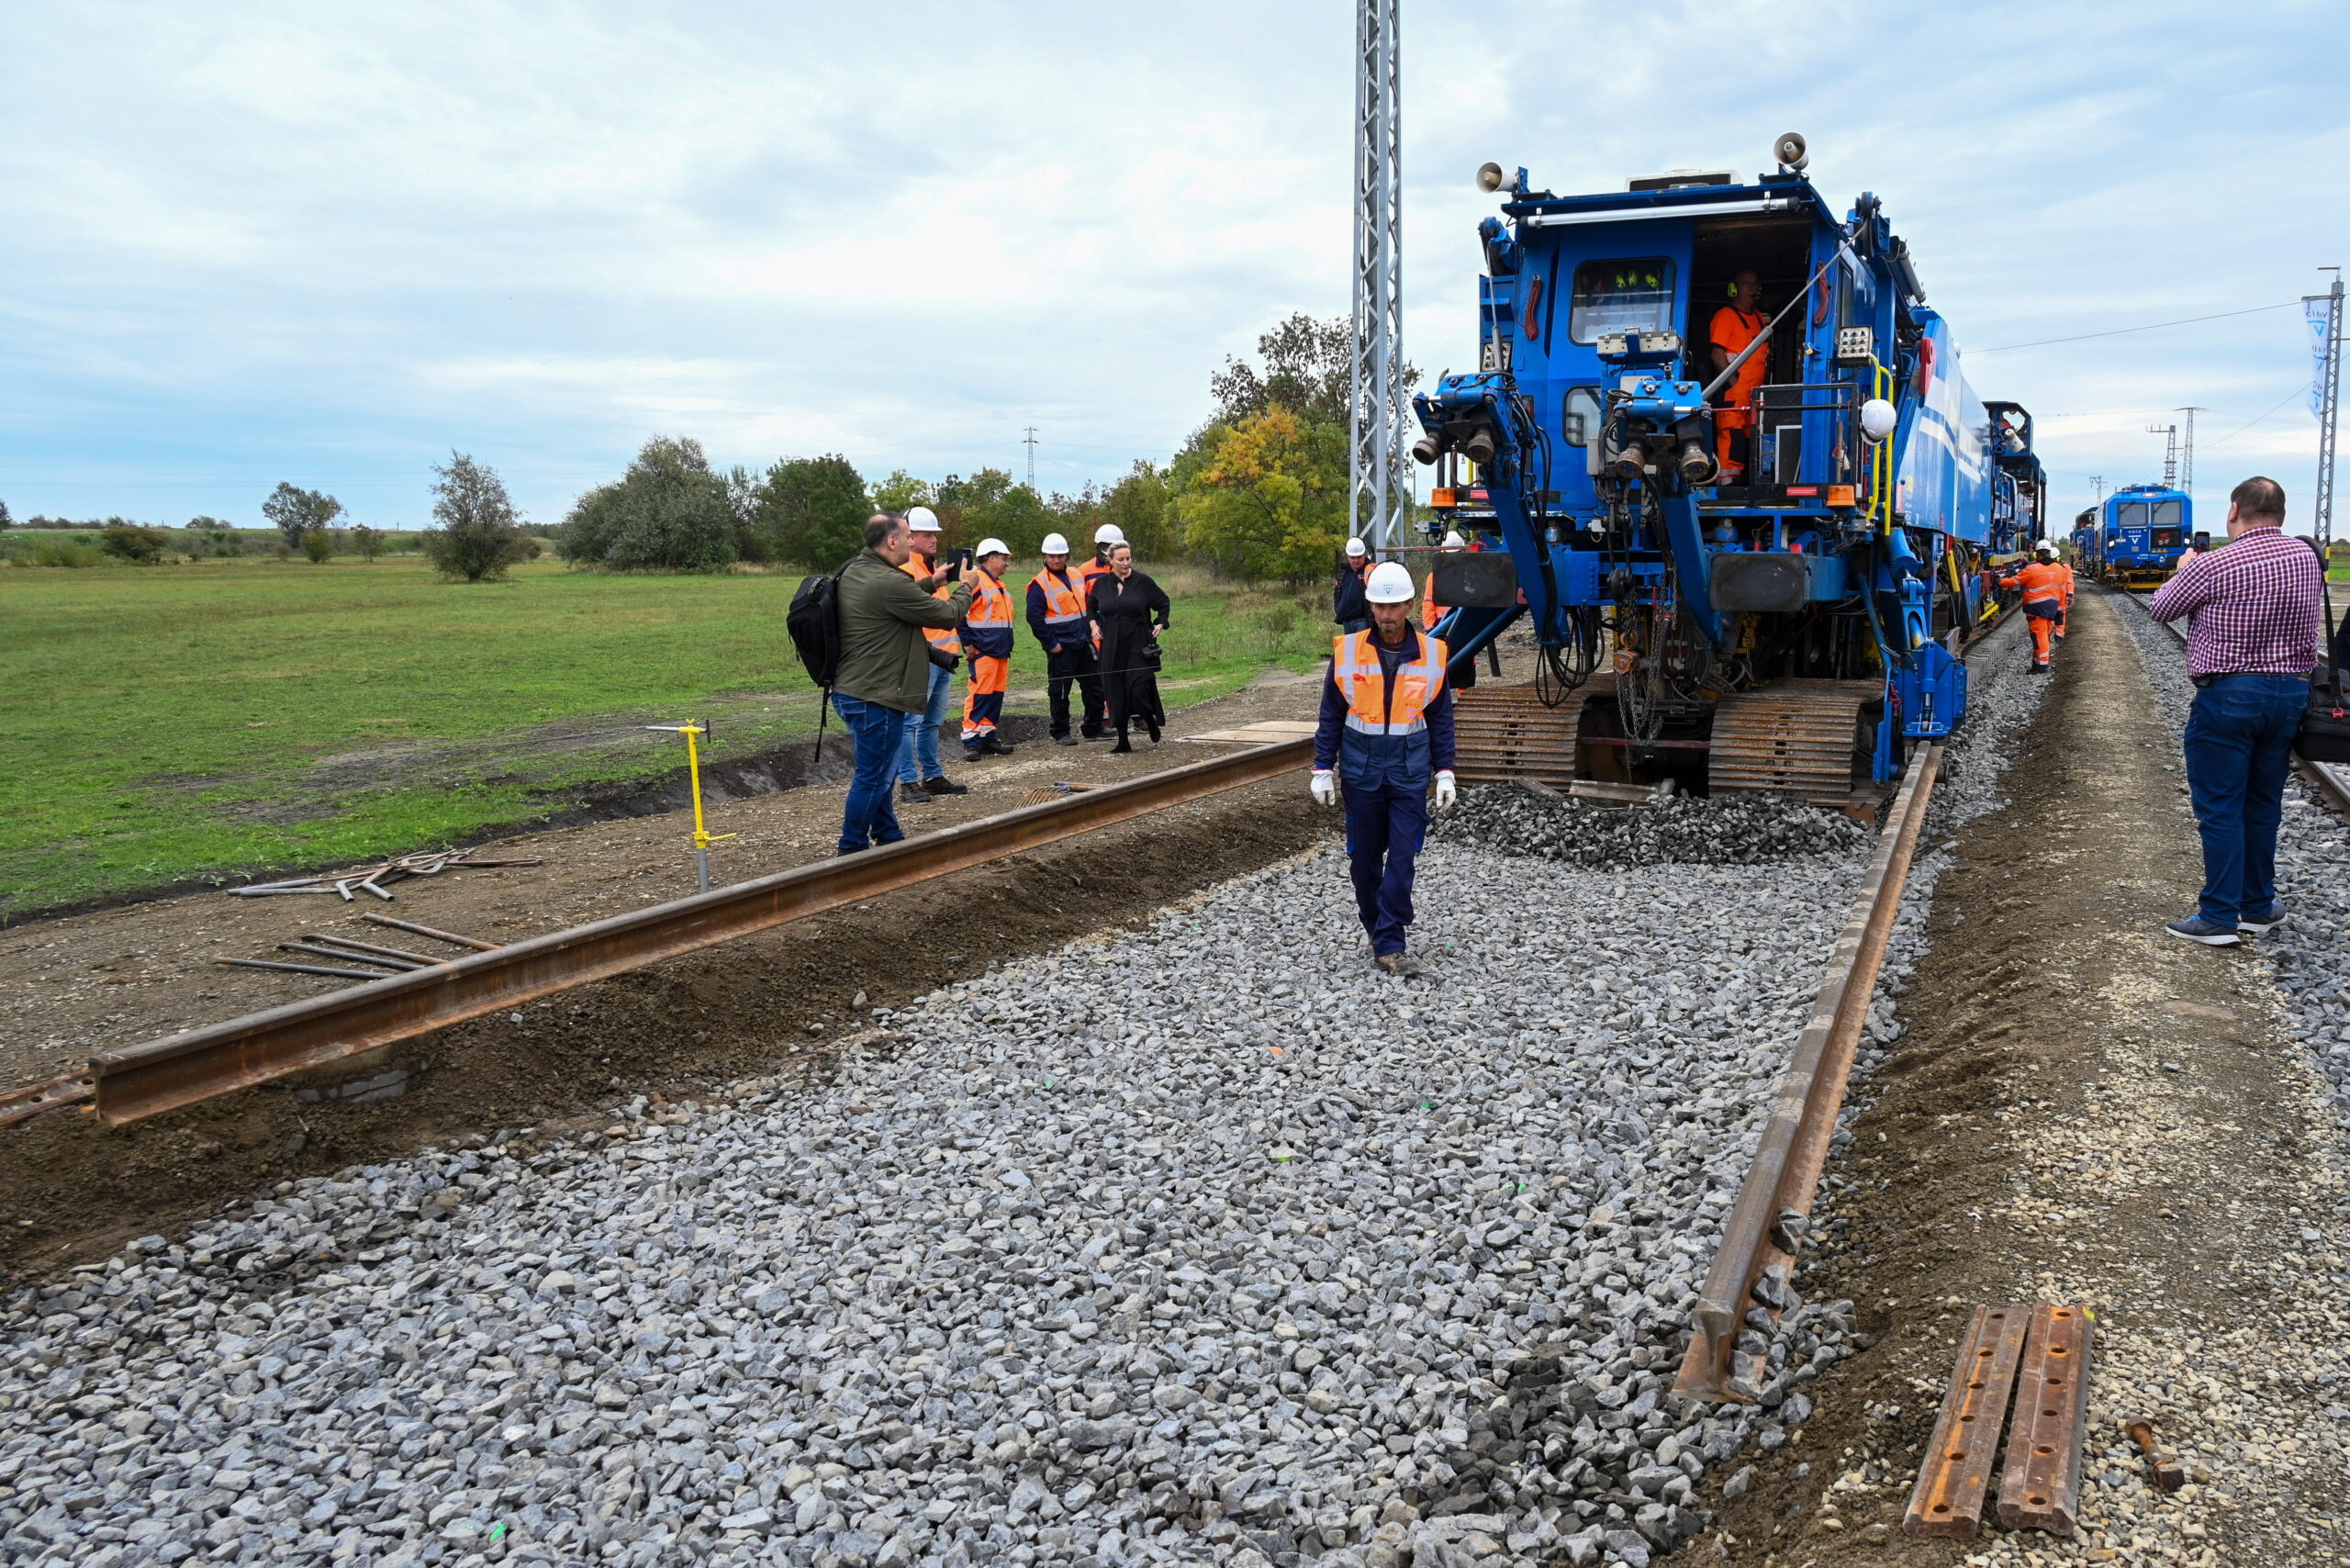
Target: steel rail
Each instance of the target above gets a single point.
(1793, 1149)
(147, 1079)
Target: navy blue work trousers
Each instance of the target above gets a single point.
(2239, 749)
(868, 818)
(1385, 825)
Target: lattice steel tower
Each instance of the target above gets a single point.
(2329, 410)
(1379, 504)
(2187, 449)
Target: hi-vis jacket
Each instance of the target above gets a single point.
(2040, 580)
(941, 637)
(1386, 712)
(1057, 607)
(987, 625)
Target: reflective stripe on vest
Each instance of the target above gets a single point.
(1354, 663)
(1064, 597)
(990, 601)
(937, 637)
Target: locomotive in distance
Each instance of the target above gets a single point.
(2134, 537)
(1806, 527)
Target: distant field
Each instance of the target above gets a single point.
(163, 723)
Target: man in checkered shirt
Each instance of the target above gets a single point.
(2251, 642)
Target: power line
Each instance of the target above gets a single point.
(2272, 408)
(2149, 327)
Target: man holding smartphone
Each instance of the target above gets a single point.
(921, 776)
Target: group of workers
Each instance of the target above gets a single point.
(2047, 584)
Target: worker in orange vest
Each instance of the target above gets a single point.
(1735, 325)
(2044, 583)
(1385, 733)
(2064, 609)
(920, 776)
(1430, 610)
(1056, 615)
(1108, 534)
(987, 640)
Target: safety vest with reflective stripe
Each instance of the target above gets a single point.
(987, 624)
(1064, 594)
(2040, 580)
(1385, 740)
(939, 637)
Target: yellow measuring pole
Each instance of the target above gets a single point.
(703, 838)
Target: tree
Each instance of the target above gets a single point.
(1143, 507)
(667, 513)
(295, 511)
(1309, 370)
(1266, 496)
(810, 511)
(129, 541)
(479, 536)
(900, 491)
(367, 543)
(317, 544)
(990, 503)
(5, 521)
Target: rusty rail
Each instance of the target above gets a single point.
(1793, 1150)
(148, 1080)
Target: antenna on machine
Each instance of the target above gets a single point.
(1379, 501)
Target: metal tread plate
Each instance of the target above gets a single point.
(1793, 737)
(1503, 732)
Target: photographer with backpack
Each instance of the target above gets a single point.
(882, 674)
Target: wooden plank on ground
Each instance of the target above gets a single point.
(1956, 1474)
(1264, 732)
(2042, 1487)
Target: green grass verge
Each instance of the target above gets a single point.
(237, 716)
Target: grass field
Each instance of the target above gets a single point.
(163, 723)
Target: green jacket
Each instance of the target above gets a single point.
(884, 658)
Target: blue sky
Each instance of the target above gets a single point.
(251, 242)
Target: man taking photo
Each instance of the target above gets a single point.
(884, 679)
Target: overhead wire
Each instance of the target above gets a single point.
(2149, 327)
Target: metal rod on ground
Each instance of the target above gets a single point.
(399, 964)
(422, 959)
(304, 969)
(475, 943)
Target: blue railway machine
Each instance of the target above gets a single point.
(2135, 538)
(1762, 594)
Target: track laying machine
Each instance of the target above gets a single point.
(1747, 544)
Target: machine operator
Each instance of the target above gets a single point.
(1386, 736)
(2045, 584)
(1736, 325)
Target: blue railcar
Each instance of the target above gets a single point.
(1785, 626)
(2134, 539)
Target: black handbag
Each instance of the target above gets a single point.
(1152, 660)
(2325, 734)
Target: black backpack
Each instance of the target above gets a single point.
(815, 623)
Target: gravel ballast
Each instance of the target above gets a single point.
(1204, 1243)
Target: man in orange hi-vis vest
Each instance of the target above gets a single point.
(1386, 734)
(987, 640)
(1735, 325)
(2044, 583)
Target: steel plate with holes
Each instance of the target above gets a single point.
(2041, 1488)
(1956, 1474)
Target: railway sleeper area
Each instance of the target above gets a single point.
(1198, 1240)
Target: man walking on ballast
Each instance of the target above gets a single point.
(1386, 734)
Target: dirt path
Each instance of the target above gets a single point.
(2089, 1110)
(762, 1005)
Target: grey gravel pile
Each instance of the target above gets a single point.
(1208, 1245)
(2311, 951)
(1722, 830)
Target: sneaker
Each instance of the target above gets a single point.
(2195, 928)
(2266, 920)
(914, 794)
(1064, 740)
(942, 785)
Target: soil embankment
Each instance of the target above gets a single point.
(2085, 1109)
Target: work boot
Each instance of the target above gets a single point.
(1400, 964)
(990, 746)
(1099, 734)
(1064, 740)
(912, 795)
(942, 785)
(2038, 669)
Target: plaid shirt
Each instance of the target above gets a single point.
(2254, 606)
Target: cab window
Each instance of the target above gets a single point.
(2167, 514)
(1579, 416)
(1620, 296)
(2132, 514)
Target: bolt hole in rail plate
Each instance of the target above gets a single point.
(1956, 1477)
(147, 1079)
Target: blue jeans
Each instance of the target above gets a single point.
(918, 753)
(2239, 748)
(869, 818)
(1385, 825)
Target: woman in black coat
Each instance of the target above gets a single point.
(1129, 610)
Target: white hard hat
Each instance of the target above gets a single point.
(1355, 550)
(1055, 544)
(1109, 534)
(1389, 584)
(2046, 546)
(920, 519)
(1452, 541)
(991, 547)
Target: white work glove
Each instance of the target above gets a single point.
(1445, 792)
(1325, 787)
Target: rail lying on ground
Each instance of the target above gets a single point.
(147, 1079)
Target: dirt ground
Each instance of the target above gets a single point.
(69, 1188)
(2084, 1109)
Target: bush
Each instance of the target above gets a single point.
(479, 538)
(810, 511)
(669, 512)
(62, 552)
(317, 546)
(366, 543)
(129, 541)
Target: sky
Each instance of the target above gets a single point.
(247, 242)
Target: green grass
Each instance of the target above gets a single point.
(229, 717)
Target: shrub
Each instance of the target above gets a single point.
(479, 538)
(810, 511)
(317, 546)
(669, 512)
(129, 541)
(62, 552)
(366, 543)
